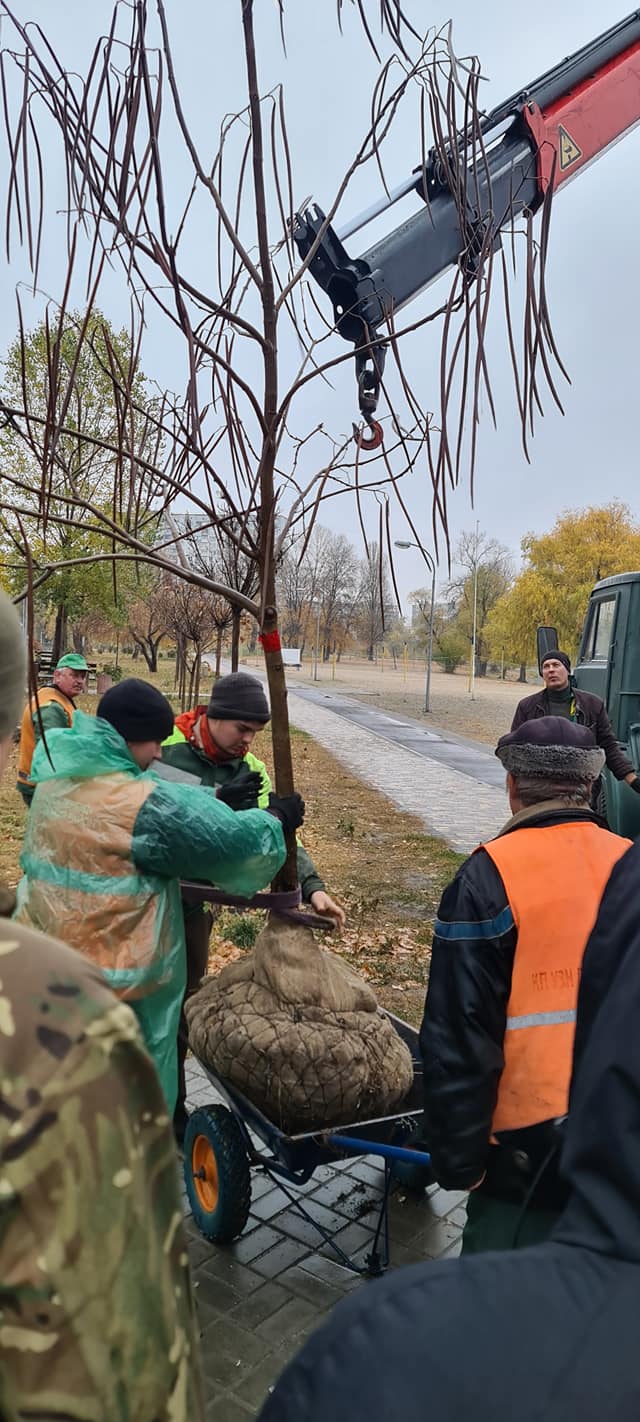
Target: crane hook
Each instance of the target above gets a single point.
(377, 435)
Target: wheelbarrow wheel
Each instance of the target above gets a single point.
(217, 1174)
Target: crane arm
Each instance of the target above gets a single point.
(545, 134)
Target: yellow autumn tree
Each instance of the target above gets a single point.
(560, 569)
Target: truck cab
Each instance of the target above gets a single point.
(608, 665)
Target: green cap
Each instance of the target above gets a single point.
(74, 661)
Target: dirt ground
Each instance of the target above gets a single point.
(378, 862)
(402, 691)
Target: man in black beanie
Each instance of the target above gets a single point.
(107, 843)
(561, 698)
(212, 744)
(141, 714)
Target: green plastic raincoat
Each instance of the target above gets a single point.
(105, 847)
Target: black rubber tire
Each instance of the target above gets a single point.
(226, 1219)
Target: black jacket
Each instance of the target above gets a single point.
(463, 1028)
(548, 1332)
(591, 712)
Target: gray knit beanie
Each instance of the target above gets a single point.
(238, 697)
(13, 667)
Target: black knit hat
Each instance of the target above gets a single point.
(137, 711)
(238, 697)
(552, 747)
(556, 657)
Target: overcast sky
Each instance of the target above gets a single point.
(590, 455)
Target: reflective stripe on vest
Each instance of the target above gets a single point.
(27, 732)
(554, 877)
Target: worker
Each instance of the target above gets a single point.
(107, 842)
(96, 1317)
(213, 743)
(546, 1332)
(497, 1032)
(561, 698)
(51, 707)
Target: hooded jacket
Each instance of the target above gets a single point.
(105, 846)
(548, 1332)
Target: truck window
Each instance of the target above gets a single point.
(586, 649)
(603, 629)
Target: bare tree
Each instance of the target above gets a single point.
(146, 620)
(375, 608)
(486, 573)
(236, 449)
(193, 618)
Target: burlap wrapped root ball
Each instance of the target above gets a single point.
(299, 1034)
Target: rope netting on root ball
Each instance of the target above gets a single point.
(299, 1034)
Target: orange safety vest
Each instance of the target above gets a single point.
(554, 877)
(27, 733)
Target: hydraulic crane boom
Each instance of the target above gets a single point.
(543, 135)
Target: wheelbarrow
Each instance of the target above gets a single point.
(224, 1143)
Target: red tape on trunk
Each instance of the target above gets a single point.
(270, 641)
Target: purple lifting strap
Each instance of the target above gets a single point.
(286, 904)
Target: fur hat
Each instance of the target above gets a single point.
(551, 747)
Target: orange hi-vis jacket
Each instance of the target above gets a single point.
(27, 733)
(554, 879)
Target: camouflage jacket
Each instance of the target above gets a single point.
(96, 1318)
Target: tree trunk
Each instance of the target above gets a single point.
(522, 675)
(149, 649)
(78, 639)
(60, 635)
(287, 877)
(236, 616)
(370, 650)
(197, 669)
(218, 652)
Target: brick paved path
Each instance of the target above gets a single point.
(453, 786)
(259, 1298)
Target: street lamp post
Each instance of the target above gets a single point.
(315, 650)
(400, 543)
(475, 615)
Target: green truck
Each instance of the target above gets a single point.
(608, 665)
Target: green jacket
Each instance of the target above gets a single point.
(96, 1316)
(105, 847)
(177, 751)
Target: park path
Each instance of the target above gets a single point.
(454, 786)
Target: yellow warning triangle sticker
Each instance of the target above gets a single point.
(567, 149)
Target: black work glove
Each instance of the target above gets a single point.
(635, 785)
(241, 794)
(289, 809)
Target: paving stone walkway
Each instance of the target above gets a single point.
(258, 1299)
(454, 786)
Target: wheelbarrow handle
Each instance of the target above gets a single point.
(388, 1152)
